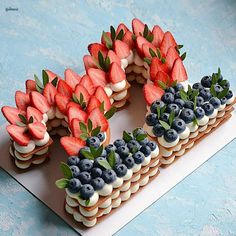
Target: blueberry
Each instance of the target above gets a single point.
(187, 115)
(177, 95)
(138, 131)
(199, 100)
(152, 145)
(123, 151)
(179, 102)
(101, 136)
(173, 107)
(151, 119)
(81, 156)
(218, 88)
(97, 183)
(120, 170)
(178, 125)
(109, 176)
(104, 153)
(119, 142)
(189, 105)
(165, 117)
(93, 142)
(158, 130)
(85, 165)
(223, 100)
(73, 161)
(138, 157)
(84, 177)
(129, 162)
(205, 94)
(118, 160)
(74, 185)
(75, 171)
(199, 113)
(168, 98)
(133, 144)
(208, 108)
(220, 77)
(155, 105)
(170, 135)
(110, 147)
(215, 102)
(146, 150)
(229, 94)
(144, 141)
(226, 84)
(86, 191)
(96, 162)
(96, 172)
(197, 86)
(178, 87)
(170, 90)
(206, 81)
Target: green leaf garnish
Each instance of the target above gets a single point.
(152, 53)
(127, 137)
(105, 164)
(31, 119)
(120, 35)
(183, 56)
(113, 33)
(54, 82)
(102, 107)
(223, 93)
(99, 151)
(23, 118)
(174, 83)
(159, 53)
(87, 202)
(111, 159)
(183, 95)
(38, 82)
(150, 38)
(21, 124)
(90, 125)
(162, 84)
(213, 91)
(158, 112)
(165, 125)
(171, 117)
(162, 110)
(87, 154)
(101, 60)
(83, 127)
(107, 40)
(84, 136)
(195, 121)
(74, 98)
(110, 113)
(163, 60)
(195, 103)
(145, 31)
(40, 90)
(62, 183)
(147, 60)
(66, 170)
(141, 137)
(96, 131)
(45, 77)
(93, 151)
(179, 46)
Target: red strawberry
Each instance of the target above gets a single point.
(103, 41)
(162, 76)
(157, 65)
(98, 77)
(120, 27)
(18, 134)
(102, 97)
(93, 103)
(39, 101)
(121, 49)
(37, 130)
(80, 89)
(98, 119)
(36, 114)
(116, 73)
(76, 112)
(113, 57)
(72, 145)
(52, 75)
(137, 26)
(152, 93)
(171, 56)
(88, 84)
(128, 39)
(49, 92)
(89, 62)
(64, 89)
(94, 48)
(22, 100)
(30, 85)
(72, 78)
(61, 102)
(11, 114)
(178, 72)
(140, 41)
(146, 49)
(75, 127)
(157, 35)
(167, 42)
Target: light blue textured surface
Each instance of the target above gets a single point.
(54, 35)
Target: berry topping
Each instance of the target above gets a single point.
(84, 177)
(85, 165)
(208, 108)
(168, 98)
(74, 185)
(178, 125)
(120, 170)
(179, 102)
(165, 117)
(229, 94)
(146, 150)
(152, 145)
(155, 105)
(199, 113)
(151, 119)
(109, 176)
(178, 87)
(187, 115)
(226, 84)
(189, 105)
(37, 130)
(72, 145)
(129, 162)
(206, 81)
(119, 142)
(18, 134)
(144, 141)
(96, 172)
(81, 156)
(170, 135)
(73, 161)
(218, 88)
(158, 130)
(215, 102)
(97, 183)
(197, 86)
(75, 171)
(101, 136)
(170, 90)
(152, 93)
(205, 94)
(86, 191)
(123, 151)
(93, 142)
(138, 157)
(133, 144)
(96, 162)
(173, 107)
(200, 101)
(110, 147)
(223, 100)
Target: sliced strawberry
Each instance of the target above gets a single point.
(103, 41)
(171, 56)
(18, 134)
(73, 104)
(22, 100)
(152, 93)
(61, 102)
(80, 89)
(158, 35)
(89, 62)
(52, 75)
(11, 114)
(163, 77)
(116, 73)
(98, 119)
(75, 127)
(128, 39)
(72, 78)
(49, 92)
(167, 42)
(75, 112)
(64, 89)
(37, 130)
(137, 26)
(121, 49)
(120, 27)
(178, 72)
(113, 57)
(30, 85)
(88, 84)
(157, 65)
(36, 114)
(39, 101)
(140, 41)
(102, 97)
(72, 145)
(93, 103)
(94, 48)
(146, 49)
(98, 77)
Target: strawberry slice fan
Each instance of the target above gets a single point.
(98, 176)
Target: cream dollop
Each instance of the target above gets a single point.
(185, 133)
(51, 113)
(25, 149)
(124, 63)
(106, 190)
(42, 142)
(118, 86)
(155, 152)
(203, 121)
(164, 143)
(120, 95)
(214, 114)
(192, 126)
(130, 58)
(108, 91)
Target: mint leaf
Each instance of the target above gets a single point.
(45, 77)
(164, 124)
(99, 151)
(195, 103)
(110, 113)
(38, 82)
(158, 112)
(54, 82)
(152, 53)
(87, 202)
(183, 95)
(102, 107)
(83, 127)
(145, 31)
(162, 84)
(141, 137)
(96, 131)
(162, 110)
(62, 183)
(105, 164)
(195, 121)
(74, 98)
(87, 154)
(174, 83)
(159, 53)
(147, 60)
(127, 137)
(183, 56)
(120, 35)
(93, 151)
(113, 33)
(111, 159)
(223, 93)
(163, 60)
(179, 46)
(66, 170)
(150, 37)
(31, 119)
(101, 60)
(171, 117)
(107, 40)
(23, 118)
(84, 136)
(213, 91)
(90, 125)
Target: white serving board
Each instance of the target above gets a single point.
(40, 181)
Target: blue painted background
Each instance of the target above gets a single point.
(54, 35)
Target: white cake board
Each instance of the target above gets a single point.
(40, 181)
